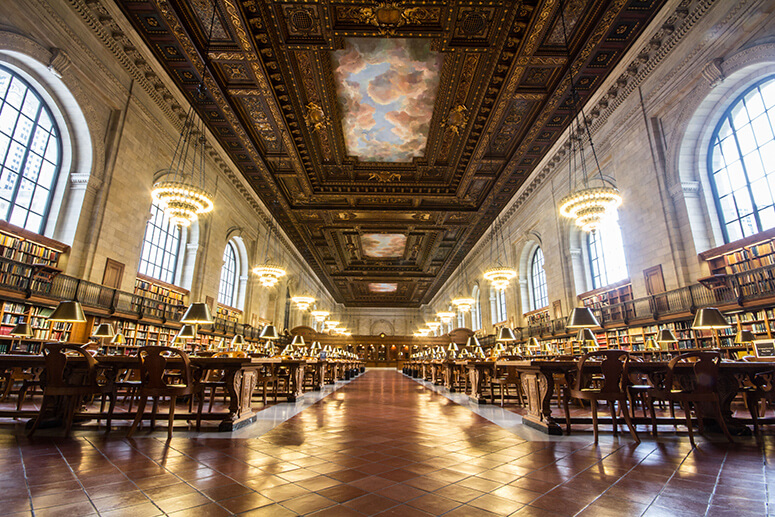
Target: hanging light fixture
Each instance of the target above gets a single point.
(303, 302)
(587, 204)
(331, 324)
(498, 275)
(181, 191)
(462, 302)
(445, 316)
(269, 273)
(320, 316)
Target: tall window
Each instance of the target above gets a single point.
(30, 149)
(161, 243)
(606, 253)
(742, 163)
(540, 297)
(498, 305)
(229, 274)
(476, 310)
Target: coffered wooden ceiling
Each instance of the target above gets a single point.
(496, 85)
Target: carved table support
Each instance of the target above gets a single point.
(539, 387)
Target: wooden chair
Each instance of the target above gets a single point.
(71, 376)
(153, 366)
(510, 377)
(612, 388)
(701, 385)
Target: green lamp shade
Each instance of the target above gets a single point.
(744, 336)
(103, 330)
(269, 332)
(238, 340)
(666, 336)
(68, 311)
(586, 336)
(22, 330)
(473, 342)
(651, 344)
(533, 343)
(581, 317)
(186, 332)
(506, 334)
(500, 347)
(453, 347)
(710, 318)
(298, 340)
(118, 339)
(198, 313)
(315, 347)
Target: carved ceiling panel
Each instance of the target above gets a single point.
(463, 99)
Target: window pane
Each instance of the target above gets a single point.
(24, 115)
(158, 257)
(747, 125)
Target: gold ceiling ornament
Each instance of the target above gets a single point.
(303, 301)
(390, 16)
(457, 119)
(315, 118)
(445, 316)
(384, 176)
(320, 316)
(587, 205)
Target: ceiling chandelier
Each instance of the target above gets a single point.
(303, 302)
(180, 191)
(445, 316)
(434, 325)
(331, 325)
(498, 275)
(463, 303)
(587, 205)
(269, 273)
(320, 316)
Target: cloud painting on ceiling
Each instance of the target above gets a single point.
(383, 245)
(386, 88)
(382, 287)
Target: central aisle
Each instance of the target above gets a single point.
(381, 444)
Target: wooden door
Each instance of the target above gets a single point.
(655, 284)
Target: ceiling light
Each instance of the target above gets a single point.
(445, 316)
(500, 276)
(463, 303)
(303, 302)
(320, 316)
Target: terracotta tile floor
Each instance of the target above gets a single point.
(384, 445)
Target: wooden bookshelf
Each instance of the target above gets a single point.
(159, 291)
(227, 313)
(608, 296)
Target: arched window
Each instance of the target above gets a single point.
(30, 147)
(498, 305)
(476, 310)
(159, 256)
(606, 253)
(229, 273)
(741, 162)
(539, 297)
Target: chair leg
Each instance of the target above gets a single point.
(722, 422)
(173, 399)
(43, 407)
(154, 411)
(199, 411)
(565, 401)
(212, 398)
(688, 415)
(139, 417)
(751, 400)
(71, 407)
(593, 404)
(22, 395)
(111, 408)
(614, 423)
(653, 414)
(630, 425)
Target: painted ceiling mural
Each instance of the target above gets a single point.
(386, 88)
(383, 245)
(382, 287)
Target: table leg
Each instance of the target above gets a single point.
(476, 385)
(539, 388)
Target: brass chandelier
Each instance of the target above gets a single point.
(320, 316)
(462, 302)
(587, 205)
(180, 191)
(303, 302)
(498, 275)
(269, 273)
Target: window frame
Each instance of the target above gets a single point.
(234, 273)
(727, 117)
(173, 251)
(542, 284)
(55, 132)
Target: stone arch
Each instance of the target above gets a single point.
(382, 326)
(46, 71)
(531, 242)
(687, 174)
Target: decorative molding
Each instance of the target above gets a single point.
(713, 73)
(685, 189)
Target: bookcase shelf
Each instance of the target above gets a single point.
(610, 296)
(156, 290)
